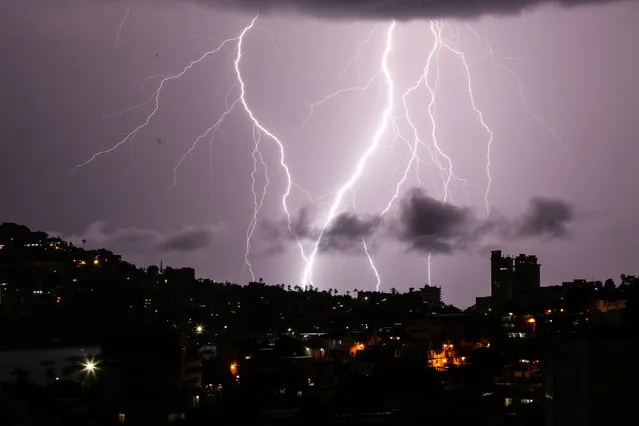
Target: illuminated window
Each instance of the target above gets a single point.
(508, 402)
(121, 417)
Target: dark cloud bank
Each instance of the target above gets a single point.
(428, 225)
(393, 9)
(134, 240)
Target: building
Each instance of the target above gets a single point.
(483, 304)
(526, 277)
(445, 358)
(431, 294)
(591, 379)
(501, 278)
(513, 279)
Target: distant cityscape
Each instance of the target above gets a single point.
(87, 338)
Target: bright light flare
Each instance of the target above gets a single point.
(90, 366)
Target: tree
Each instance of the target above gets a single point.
(609, 284)
(152, 271)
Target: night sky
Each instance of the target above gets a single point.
(562, 161)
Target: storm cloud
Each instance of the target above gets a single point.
(393, 9)
(546, 217)
(429, 225)
(346, 233)
(134, 240)
(343, 235)
(424, 224)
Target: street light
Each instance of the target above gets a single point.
(199, 329)
(90, 367)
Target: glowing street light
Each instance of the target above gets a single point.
(199, 329)
(90, 367)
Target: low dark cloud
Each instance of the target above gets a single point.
(134, 240)
(429, 225)
(189, 239)
(346, 233)
(546, 217)
(424, 224)
(393, 9)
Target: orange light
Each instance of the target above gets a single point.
(234, 368)
(531, 320)
(561, 310)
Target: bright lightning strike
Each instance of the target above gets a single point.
(264, 130)
(416, 138)
(372, 264)
(257, 203)
(386, 118)
(388, 122)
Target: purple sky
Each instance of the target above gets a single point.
(66, 74)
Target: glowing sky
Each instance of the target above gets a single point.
(69, 68)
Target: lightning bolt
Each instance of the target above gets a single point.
(313, 105)
(477, 111)
(264, 130)
(386, 119)
(156, 99)
(257, 203)
(117, 34)
(416, 139)
(211, 130)
(355, 59)
(440, 159)
(520, 86)
(372, 264)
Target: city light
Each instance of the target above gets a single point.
(199, 329)
(90, 366)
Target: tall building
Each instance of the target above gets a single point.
(501, 278)
(526, 278)
(431, 294)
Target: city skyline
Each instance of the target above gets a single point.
(121, 201)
